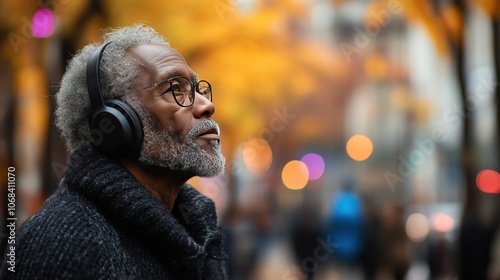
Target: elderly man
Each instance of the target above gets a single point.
(137, 121)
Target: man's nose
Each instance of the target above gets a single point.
(203, 107)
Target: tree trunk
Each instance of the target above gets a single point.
(476, 236)
(495, 24)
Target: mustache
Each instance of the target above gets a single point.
(201, 127)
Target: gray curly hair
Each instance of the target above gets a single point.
(117, 72)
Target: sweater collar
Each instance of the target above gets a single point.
(189, 232)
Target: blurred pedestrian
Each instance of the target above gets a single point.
(306, 229)
(394, 261)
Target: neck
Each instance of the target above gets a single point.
(162, 182)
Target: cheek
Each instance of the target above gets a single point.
(173, 119)
(182, 121)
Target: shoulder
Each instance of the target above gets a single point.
(64, 214)
(67, 234)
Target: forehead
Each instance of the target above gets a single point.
(159, 62)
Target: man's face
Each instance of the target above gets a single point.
(175, 137)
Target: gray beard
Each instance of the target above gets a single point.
(161, 149)
(183, 154)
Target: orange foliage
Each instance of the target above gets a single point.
(376, 67)
(373, 8)
(337, 2)
(255, 56)
(421, 11)
(490, 7)
(454, 23)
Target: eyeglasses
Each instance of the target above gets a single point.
(183, 90)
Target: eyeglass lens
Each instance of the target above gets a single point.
(183, 92)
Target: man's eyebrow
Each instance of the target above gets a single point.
(177, 73)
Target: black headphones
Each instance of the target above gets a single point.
(114, 125)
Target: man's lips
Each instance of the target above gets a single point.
(210, 134)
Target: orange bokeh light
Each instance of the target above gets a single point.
(359, 147)
(295, 175)
(257, 155)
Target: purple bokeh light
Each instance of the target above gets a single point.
(315, 164)
(43, 23)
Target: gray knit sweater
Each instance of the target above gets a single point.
(102, 223)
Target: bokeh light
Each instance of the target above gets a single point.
(257, 155)
(359, 147)
(295, 175)
(443, 222)
(488, 181)
(315, 164)
(417, 227)
(43, 23)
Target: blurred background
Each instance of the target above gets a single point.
(360, 136)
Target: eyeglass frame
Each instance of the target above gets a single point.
(194, 89)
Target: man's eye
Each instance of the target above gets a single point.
(175, 88)
(204, 91)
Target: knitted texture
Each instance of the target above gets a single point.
(102, 223)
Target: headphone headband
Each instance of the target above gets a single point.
(93, 82)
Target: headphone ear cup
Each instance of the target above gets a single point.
(134, 122)
(116, 129)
